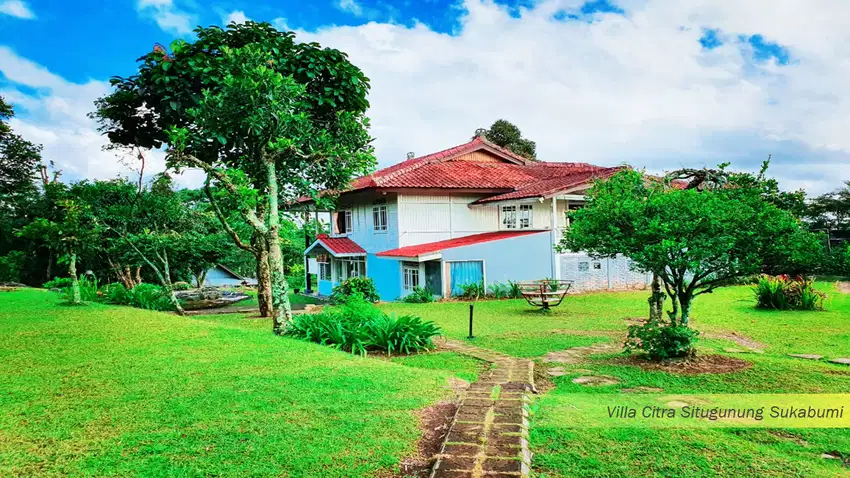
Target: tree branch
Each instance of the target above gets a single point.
(230, 231)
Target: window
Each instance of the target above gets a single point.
(525, 216)
(379, 218)
(583, 266)
(324, 271)
(343, 222)
(348, 268)
(509, 217)
(517, 217)
(597, 266)
(411, 277)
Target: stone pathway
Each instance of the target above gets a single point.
(489, 436)
(576, 355)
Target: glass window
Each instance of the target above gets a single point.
(597, 266)
(379, 218)
(525, 215)
(324, 271)
(343, 222)
(583, 266)
(509, 217)
(411, 277)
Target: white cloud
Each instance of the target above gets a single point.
(168, 16)
(637, 88)
(236, 16)
(55, 116)
(16, 8)
(350, 6)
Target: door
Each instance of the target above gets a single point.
(466, 272)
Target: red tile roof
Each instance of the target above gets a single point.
(432, 247)
(513, 178)
(339, 245)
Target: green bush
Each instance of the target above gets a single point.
(180, 285)
(12, 266)
(357, 326)
(786, 293)
(295, 279)
(662, 340)
(419, 295)
(364, 286)
(143, 296)
(88, 290)
(473, 291)
(57, 283)
(497, 290)
(514, 291)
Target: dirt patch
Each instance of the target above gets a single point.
(693, 366)
(788, 436)
(434, 422)
(844, 287)
(739, 339)
(542, 380)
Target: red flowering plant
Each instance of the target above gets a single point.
(784, 292)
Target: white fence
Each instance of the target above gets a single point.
(601, 274)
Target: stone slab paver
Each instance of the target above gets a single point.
(841, 361)
(596, 381)
(489, 437)
(806, 356)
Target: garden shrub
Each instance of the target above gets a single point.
(180, 285)
(57, 283)
(295, 279)
(419, 295)
(473, 290)
(143, 296)
(497, 290)
(88, 290)
(357, 326)
(12, 266)
(364, 286)
(514, 291)
(661, 340)
(786, 293)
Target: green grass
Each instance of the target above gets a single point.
(103, 390)
(462, 366)
(559, 451)
(294, 299)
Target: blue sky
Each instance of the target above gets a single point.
(655, 83)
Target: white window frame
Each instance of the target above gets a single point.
(525, 213)
(409, 273)
(325, 271)
(348, 221)
(509, 216)
(380, 218)
(348, 268)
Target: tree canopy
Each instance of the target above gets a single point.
(507, 135)
(694, 240)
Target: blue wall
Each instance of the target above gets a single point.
(387, 276)
(325, 287)
(519, 258)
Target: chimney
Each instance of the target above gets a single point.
(411, 155)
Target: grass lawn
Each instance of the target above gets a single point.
(104, 390)
(294, 299)
(515, 328)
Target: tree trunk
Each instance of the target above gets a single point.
(282, 313)
(75, 283)
(685, 302)
(138, 275)
(168, 286)
(656, 300)
(201, 278)
(49, 264)
(264, 278)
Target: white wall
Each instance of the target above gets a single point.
(430, 218)
(362, 223)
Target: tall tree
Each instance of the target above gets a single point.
(693, 239)
(19, 160)
(144, 108)
(507, 135)
(265, 115)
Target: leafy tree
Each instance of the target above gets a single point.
(167, 95)
(695, 239)
(75, 230)
(261, 113)
(19, 161)
(505, 134)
